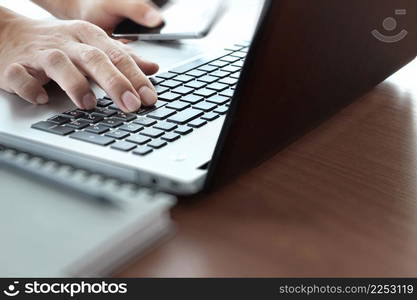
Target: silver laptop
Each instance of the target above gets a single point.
(307, 60)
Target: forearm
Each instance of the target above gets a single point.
(63, 9)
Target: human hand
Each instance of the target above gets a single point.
(106, 14)
(33, 52)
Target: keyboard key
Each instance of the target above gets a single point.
(161, 89)
(205, 106)
(75, 114)
(161, 113)
(167, 75)
(210, 116)
(235, 75)
(239, 63)
(142, 151)
(244, 44)
(157, 144)
(192, 99)
(231, 58)
(239, 54)
(205, 92)
(170, 137)
(231, 69)
(92, 138)
(198, 62)
(78, 124)
(156, 80)
(169, 97)
(178, 105)
(117, 134)
(185, 116)
(138, 139)
(104, 112)
(229, 81)
(165, 126)
(144, 121)
(196, 73)
(172, 84)
(152, 132)
(104, 102)
(196, 84)
(208, 79)
(228, 93)
(183, 130)
(182, 90)
(219, 63)
(197, 123)
(59, 120)
(219, 73)
(125, 117)
(113, 106)
(184, 78)
(234, 48)
(131, 128)
(97, 128)
(219, 100)
(221, 110)
(217, 86)
(113, 123)
(53, 128)
(123, 146)
(92, 118)
(208, 68)
(147, 109)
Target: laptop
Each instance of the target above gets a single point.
(226, 112)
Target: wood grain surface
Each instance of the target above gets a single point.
(342, 201)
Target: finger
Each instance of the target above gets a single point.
(58, 66)
(148, 67)
(127, 41)
(98, 66)
(19, 81)
(142, 12)
(124, 63)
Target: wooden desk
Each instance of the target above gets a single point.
(342, 201)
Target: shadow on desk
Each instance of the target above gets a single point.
(342, 201)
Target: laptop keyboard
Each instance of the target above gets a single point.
(189, 97)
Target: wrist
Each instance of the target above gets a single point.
(62, 9)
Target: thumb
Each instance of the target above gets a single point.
(142, 12)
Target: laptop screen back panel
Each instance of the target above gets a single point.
(308, 60)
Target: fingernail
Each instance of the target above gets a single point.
(153, 18)
(89, 101)
(42, 99)
(131, 102)
(148, 96)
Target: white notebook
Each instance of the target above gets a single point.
(59, 233)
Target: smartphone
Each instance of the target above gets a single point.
(183, 19)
